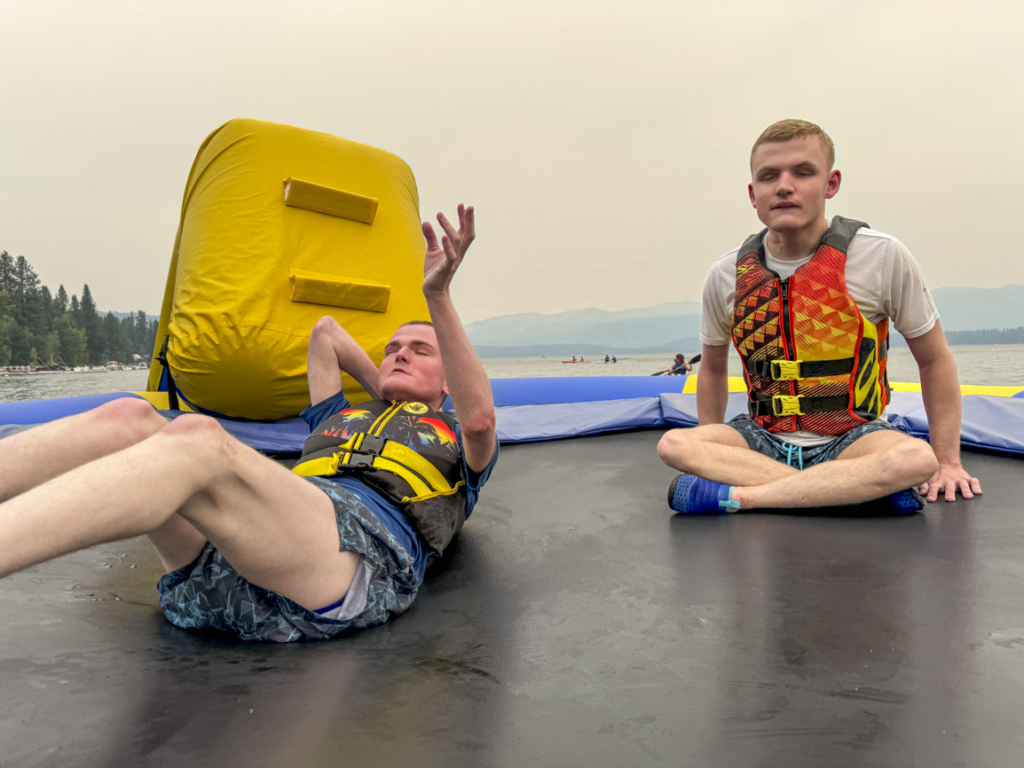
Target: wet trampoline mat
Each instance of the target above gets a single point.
(576, 623)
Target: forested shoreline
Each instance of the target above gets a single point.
(987, 336)
(40, 328)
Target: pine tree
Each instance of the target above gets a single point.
(151, 337)
(6, 272)
(38, 311)
(21, 345)
(5, 345)
(141, 335)
(61, 304)
(92, 325)
(71, 346)
(24, 297)
(115, 346)
(6, 322)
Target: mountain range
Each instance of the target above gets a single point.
(675, 326)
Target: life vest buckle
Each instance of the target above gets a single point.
(360, 460)
(372, 445)
(786, 370)
(786, 405)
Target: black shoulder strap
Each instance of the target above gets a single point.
(752, 244)
(841, 232)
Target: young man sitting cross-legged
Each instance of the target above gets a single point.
(807, 303)
(250, 547)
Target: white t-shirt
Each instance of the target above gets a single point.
(882, 277)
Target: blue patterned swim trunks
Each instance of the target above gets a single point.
(774, 446)
(209, 593)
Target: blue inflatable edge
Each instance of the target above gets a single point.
(552, 408)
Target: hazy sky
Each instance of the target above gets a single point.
(605, 145)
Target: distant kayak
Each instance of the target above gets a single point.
(679, 371)
(575, 361)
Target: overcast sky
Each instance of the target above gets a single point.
(605, 145)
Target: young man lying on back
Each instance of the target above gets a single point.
(250, 547)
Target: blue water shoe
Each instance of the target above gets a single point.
(905, 502)
(691, 495)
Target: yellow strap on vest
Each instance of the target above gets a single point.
(786, 370)
(325, 466)
(405, 455)
(787, 405)
(424, 478)
(384, 418)
(418, 486)
(436, 494)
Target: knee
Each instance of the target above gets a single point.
(201, 436)
(915, 461)
(133, 417)
(195, 426)
(203, 446)
(203, 442)
(675, 448)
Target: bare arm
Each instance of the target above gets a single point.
(331, 351)
(940, 390)
(468, 385)
(713, 384)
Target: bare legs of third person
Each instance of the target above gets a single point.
(876, 465)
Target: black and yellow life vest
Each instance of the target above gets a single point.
(811, 360)
(407, 451)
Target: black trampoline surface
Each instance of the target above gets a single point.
(576, 623)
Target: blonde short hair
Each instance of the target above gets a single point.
(784, 130)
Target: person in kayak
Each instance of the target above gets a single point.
(807, 303)
(250, 547)
(679, 367)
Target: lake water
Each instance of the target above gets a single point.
(995, 364)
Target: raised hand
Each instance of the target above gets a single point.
(444, 258)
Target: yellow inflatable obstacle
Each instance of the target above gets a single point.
(279, 227)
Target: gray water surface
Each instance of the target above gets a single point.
(993, 364)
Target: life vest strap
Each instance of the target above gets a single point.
(795, 370)
(454, 489)
(369, 444)
(406, 456)
(795, 405)
(328, 466)
(368, 452)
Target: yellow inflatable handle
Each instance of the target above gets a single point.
(333, 202)
(333, 291)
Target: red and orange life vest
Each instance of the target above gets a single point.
(811, 360)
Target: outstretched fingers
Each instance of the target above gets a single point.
(467, 228)
(447, 226)
(467, 221)
(449, 250)
(438, 270)
(430, 237)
